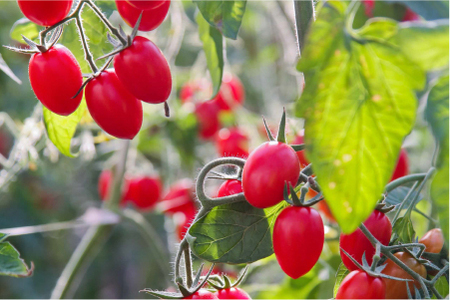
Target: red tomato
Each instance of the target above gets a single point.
(114, 109)
(146, 4)
(410, 16)
(433, 240)
(45, 13)
(232, 293)
(56, 77)
(104, 184)
(195, 91)
(231, 93)
(208, 119)
(144, 71)
(266, 171)
(401, 169)
(357, 243)
(229, 187)
(232, 142)
(298, 237)
(144, 191)
(397, 289)
(369, 5)
(360, 285)
(183, 220)
(202, 294)
(151, 19)
(180, 198)
(299, 139)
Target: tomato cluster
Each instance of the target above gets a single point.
(141, 72)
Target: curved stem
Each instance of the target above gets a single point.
(87, 54)
(403, 180)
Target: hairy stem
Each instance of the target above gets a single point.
(87, 54)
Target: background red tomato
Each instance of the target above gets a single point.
(144, 191)
(229, 187)
(401, 169)
(45, 13)
(232, 142)
(231, 93)
(179, 198)
(232, 293)
(202, 294)
(146, 4)
(208, 119)
(150, 20)
(360, 285)
(104, 185)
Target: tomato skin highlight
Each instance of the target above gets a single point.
(298, 237)
(360, 285)
(144, 71)
(202, 294)
(401, 169)
(232, 293)
(231, 93)
(146, 4)
(114, 109)
(56, 77)
(151, 19)
(144, 191)
(357, 243)
(232, 142)
(45, 13)
(265, 172)
(397, 289)
(229, 187)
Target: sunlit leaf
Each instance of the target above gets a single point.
(404, 230)
(24, 27)
(10, 262)
(340, 275)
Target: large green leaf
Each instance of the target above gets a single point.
(213, 46)
(24, 27)
(60, 129)
(233, 233)
(223, 15)
(10, 262)
(359, 103)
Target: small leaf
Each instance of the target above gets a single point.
(60, 129)
(226, 15)
(4, 67)
(10, 262)
(403, 229)
(213, 47)
(396, 196)
(340, 275)
(24, 27)
(441, 286)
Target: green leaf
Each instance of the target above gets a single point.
(226, 15)
(425, 44)
(4, 67)
(340, 275)
(396, 196)
(441, 286)
(233, 233)
(213, 46)
(403, 229)
(358, 106)
(439, 194)
(3, 236)
(10, 262)
(60, 129)
(24, 27)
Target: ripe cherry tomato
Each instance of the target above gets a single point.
(180, 198)
(202, 294)
(299, 139)
(151, 19)
(410, 16)
(208, 119)
(397, 289)
(369, 5)
(104, 184)
(231, 93)
(144, 71)
(232, 293)
(401, 169)
(266, 171)
(114, 109)
(56, 77)
(144, 191)
(357, 243)
(433, 240)
(360, 285)
(298, 237)
(195, 91)
(146, 4)
(232, 142)
(45, 13)
(229, 187)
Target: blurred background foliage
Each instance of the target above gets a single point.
(55, 188)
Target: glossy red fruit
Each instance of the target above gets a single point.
(146, 4)
(144, 71)
(104, 185)
(299, 139)
(56, 77)
(401, 169)
(266, 171)
(202, 294)
(45, 13)
(360, 285)
(232, 293)
(114, 109)
(232, 142)
(180, 198)
(144, 191)
(151, 19)
(357, 243)
(231, 93)
(229, 187)
(298, 237)
(208, 119)
(410, 16)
